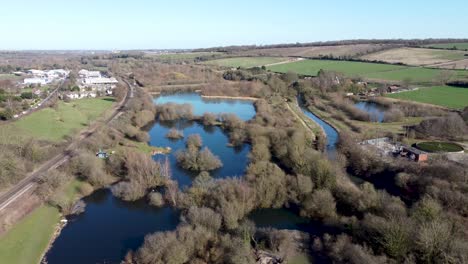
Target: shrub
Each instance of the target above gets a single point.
(174, 134)
(156, 199)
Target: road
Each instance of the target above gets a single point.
(30, 181)
(39, 105)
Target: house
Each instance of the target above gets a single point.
(36, 73)
(393, 89)
(414, 154)
(100, 80)
(89, 74)
(38, 81)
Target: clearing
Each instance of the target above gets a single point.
(416, 56)
(458, 46)
(246, 62)
(54, 124)
(447, 96)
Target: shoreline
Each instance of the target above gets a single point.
(58, 229)
(230, 97)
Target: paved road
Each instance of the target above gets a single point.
(30, 181)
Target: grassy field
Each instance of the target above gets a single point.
(373, 71)
(26, 242)
(416, 56)
(460, 46)
(312, 67)
(54, 125)
(439, 147)
(451, 97)
(246, 62)
(183, 56)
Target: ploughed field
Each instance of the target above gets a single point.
(447, 96)
(416, 56)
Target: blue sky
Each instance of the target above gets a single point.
(144, 24)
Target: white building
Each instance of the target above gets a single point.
(39, 81)
(100, 80)
(89, 74)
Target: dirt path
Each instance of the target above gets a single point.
(284, 62)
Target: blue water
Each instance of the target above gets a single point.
(244, 109)
(376, 112)
(107, 229)
(331, 133)
(234, 159)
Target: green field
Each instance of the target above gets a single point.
(312, 67)
(459, 46)
(366, 70)
(439, 147)
(451, 97)
(246, 62)
(54, 125)
(28, 239)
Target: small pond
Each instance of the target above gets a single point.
(376, 111)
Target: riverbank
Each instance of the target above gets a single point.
(229, 97)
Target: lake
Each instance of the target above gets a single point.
(109, 227)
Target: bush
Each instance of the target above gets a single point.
(156, 199)
(128, 191)
(209, 119)
(196, 160)
(393, 115)
(174, 134)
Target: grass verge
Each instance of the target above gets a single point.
(450, 97)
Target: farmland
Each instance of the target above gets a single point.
(416, 56)
(312, 67)
(54, 124)
(451, 97)
(183, 56)
(459, 46)
(373, 71)
(318, 51)
(246, 62)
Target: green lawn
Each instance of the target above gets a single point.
(54, 125)
(451, 97)
(367, 70)
(28, 239)
(246, 62)
(460, 46)
(439, 147)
